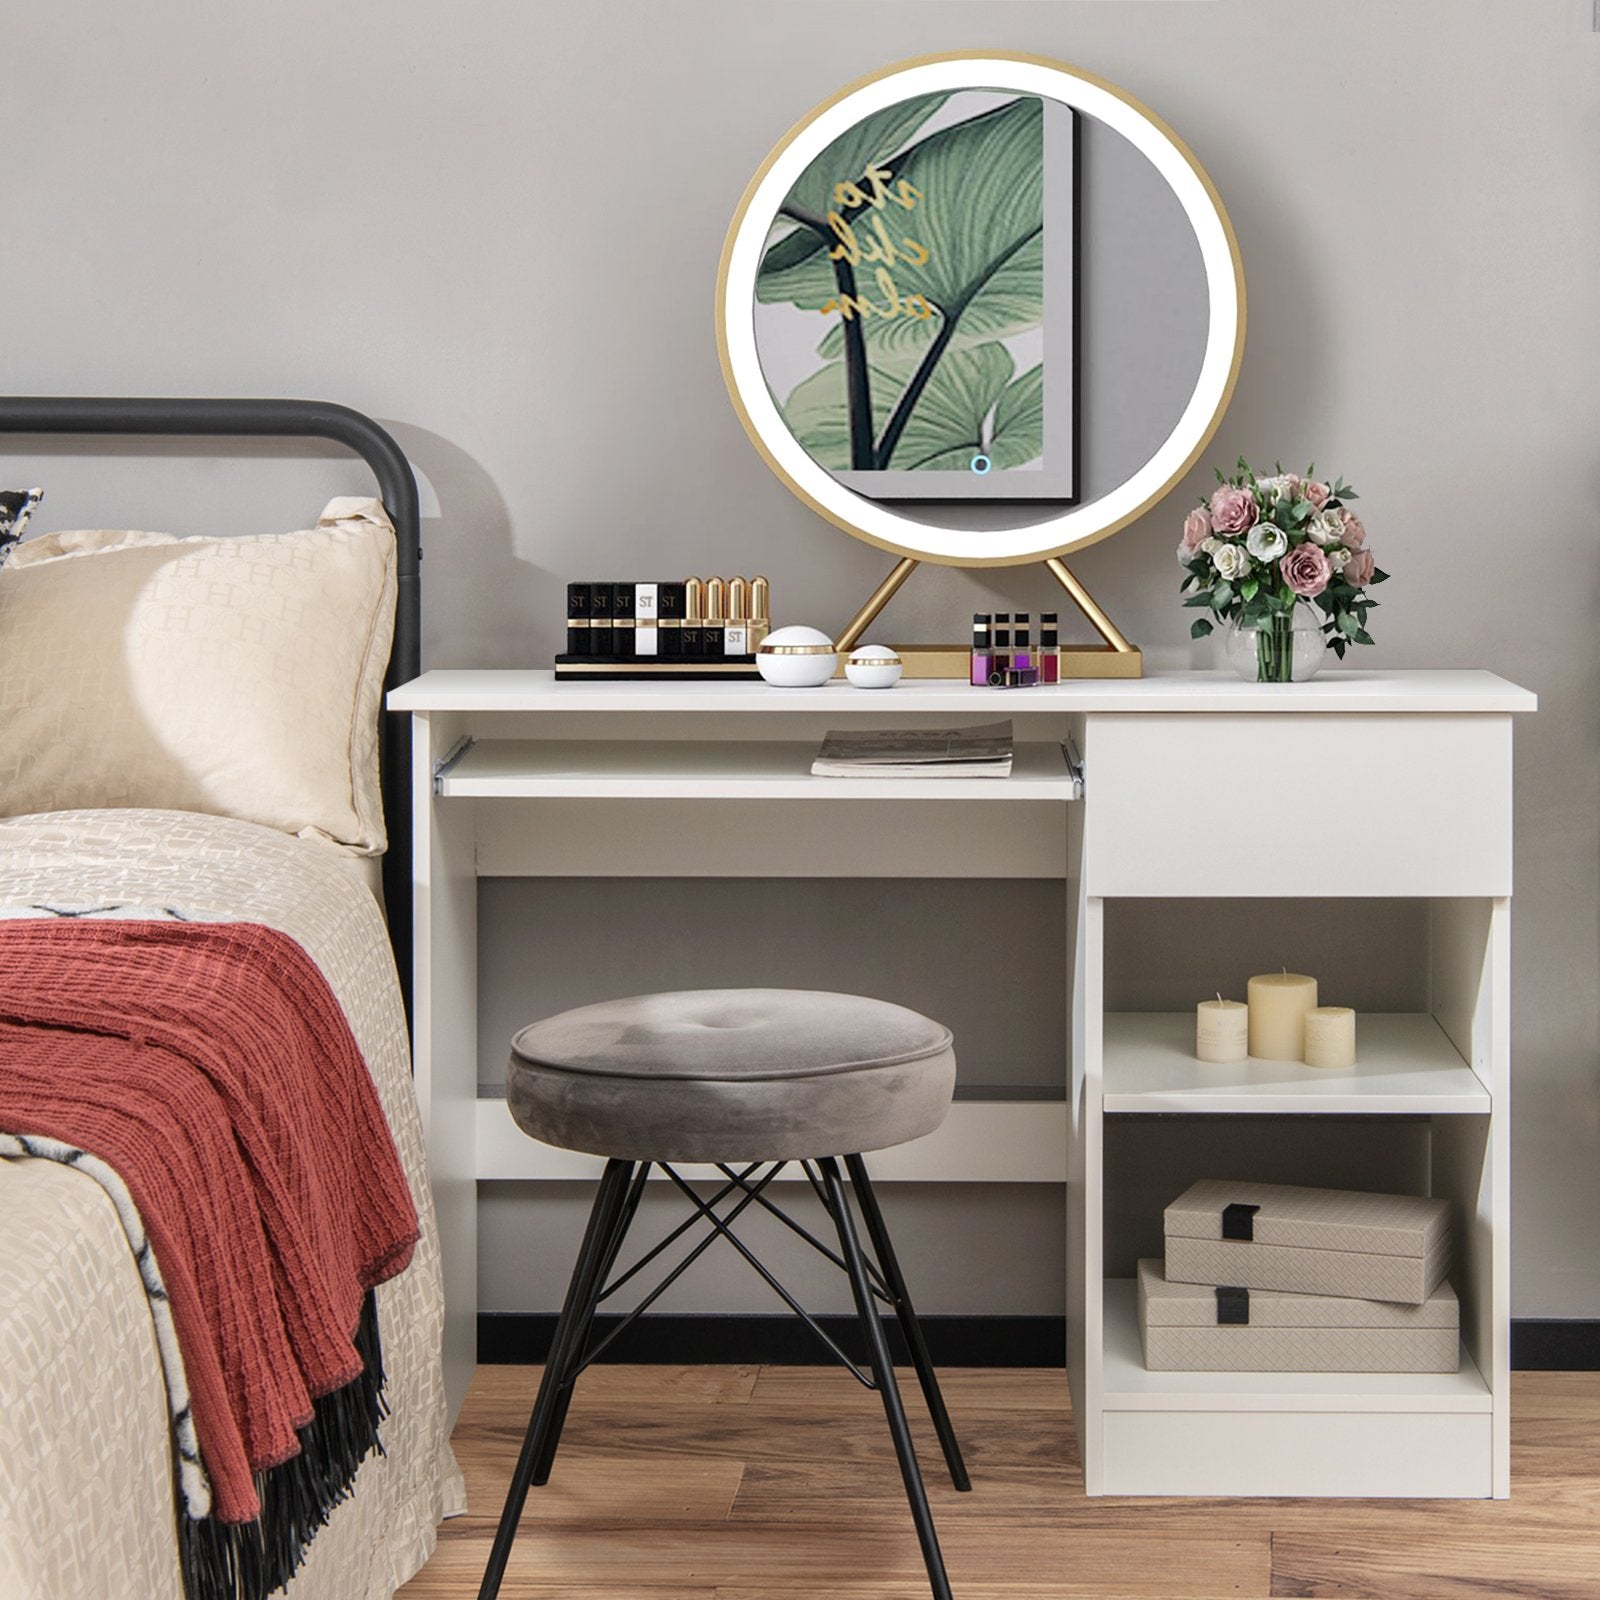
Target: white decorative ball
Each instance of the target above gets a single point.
(797, 658)
(873, 666)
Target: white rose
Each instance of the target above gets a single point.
(1209, 546)
(1338, 559)
(1325, 528)
(1232, 563)
(1266, 542)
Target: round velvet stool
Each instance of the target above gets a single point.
(747, 1082)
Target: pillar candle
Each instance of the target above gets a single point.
(1222, 1030)
(1278, 1005)
(1330, 1037)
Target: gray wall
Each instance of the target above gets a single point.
(496, 226)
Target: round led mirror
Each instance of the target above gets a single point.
(980, 310)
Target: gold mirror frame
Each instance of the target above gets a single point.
(913, 540)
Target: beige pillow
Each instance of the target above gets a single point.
(240, 677)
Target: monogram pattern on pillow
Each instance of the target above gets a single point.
(16, 506)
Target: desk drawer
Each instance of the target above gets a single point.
(1297, 805)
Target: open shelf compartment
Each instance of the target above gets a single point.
(732, 768)
(1405, 1063)
(1130, 1386)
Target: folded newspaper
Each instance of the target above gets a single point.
(980, 752)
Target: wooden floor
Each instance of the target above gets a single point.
(768, 1483)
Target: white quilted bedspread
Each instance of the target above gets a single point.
(86, 1490)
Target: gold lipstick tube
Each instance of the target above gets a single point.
(760, 612)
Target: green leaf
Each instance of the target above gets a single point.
(947, 427)
(1348, 624)
(1249, 588)
(1199, 599)
(1221, 596)
(796, 262)
(1379, 575)
(1199, 629)
(1363, 637)
(1018, 436)
(950, 425)
(981, 219)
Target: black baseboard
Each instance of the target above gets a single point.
(1555, 1345)
(509, 1337)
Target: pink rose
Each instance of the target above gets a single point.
(1196, 529)
(1316, 493)
(1358, 569)
(1355, 533)
(1233, 510)
(1306, 570)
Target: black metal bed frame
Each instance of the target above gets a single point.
(294, 419)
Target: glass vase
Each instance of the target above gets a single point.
(1282, 649)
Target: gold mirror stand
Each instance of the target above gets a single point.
(1114, 658)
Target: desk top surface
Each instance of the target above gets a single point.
(509, 689)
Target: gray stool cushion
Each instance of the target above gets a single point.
(731, 1075)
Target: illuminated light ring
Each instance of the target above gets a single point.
(1078, 526)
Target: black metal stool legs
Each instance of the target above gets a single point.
(878, 1233)
(565, 1351)
(608, 1259)
(883, 1373)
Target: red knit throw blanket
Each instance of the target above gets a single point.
(212, 1067)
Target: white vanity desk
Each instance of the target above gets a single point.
(707, 779)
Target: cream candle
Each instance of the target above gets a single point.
(1278, 1005)
(1330, 1036)
(1222, 1030)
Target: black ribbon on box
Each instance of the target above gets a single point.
(1239, 1221)
(1233, 1306)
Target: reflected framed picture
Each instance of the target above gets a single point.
(917, 301)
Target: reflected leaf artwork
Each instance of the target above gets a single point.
(902, 321)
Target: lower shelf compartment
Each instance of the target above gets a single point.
(1348, 1435)
(1130, 1386)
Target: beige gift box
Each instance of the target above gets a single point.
(1308, 1241)
(1197, 1328)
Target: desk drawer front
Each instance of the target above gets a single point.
(1283, 804)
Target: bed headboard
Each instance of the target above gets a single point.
(295, 419)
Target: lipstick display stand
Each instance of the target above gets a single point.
(640, 669)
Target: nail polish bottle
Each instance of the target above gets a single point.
(981, 644)
(1022, 644)
(1049, 647)
(1000, 649)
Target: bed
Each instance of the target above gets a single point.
(88, 1494)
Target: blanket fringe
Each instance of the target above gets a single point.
(251, 1560)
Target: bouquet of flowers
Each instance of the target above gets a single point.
(1260, 546)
